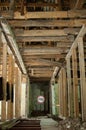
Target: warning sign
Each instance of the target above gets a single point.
(40, 99)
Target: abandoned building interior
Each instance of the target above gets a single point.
(42, 59)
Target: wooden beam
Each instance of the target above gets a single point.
(12, 7)
(43, 39)
(37, 4)
(11, 82)
(82, 77)
(49, 14)
(79, 4)
(48, 75)
(48, 23)
(64, 87)
(61, 94)
(49, 32)
(50, 56)
(75, 83)
(74, 45)
(4, 75)
(10, 87)
(42, 62)
(43, 50)
(55, 14)
(70, 91)
(17, 110)
(39, 33)
(13, 45)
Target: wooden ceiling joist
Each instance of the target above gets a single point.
(48, 23)
(37, 4)
(8, 36)
(69, 38)
(43, 50)
(46, 15)
(48, 56)
(49, 32)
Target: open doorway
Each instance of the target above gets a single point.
(39, 99)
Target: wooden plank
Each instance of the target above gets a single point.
(11, 7)
(19, 92)
(55, 14)
(74, 45)
(79, 4)
(37, 39)
(76, 4)
(12, 83)
(12, 45)
(75, 83)
(64, 86)
(48, 23)
(60, 94)
(43, 50)
(42, 63)
(50, 56)
(70, 91)
(9, 80)
(48, 14)
(4, 75)
(31, 15)
(49, 32)
(82, 77)
(43, 33)
(37, 4)
(16, 93)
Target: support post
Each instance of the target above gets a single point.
(82, 77)
(4, 75)
(70, 102)
(75, 83)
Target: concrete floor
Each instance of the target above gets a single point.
(48, 124)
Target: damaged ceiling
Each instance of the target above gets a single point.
(45, 31)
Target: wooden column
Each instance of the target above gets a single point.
(60, 94)
(64, 84)
(19, 93)
(4, 75)
(70, 102)
(11, 83)
(75, 83)
(16, 93)
(82, 77)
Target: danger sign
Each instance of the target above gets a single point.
(40, 99)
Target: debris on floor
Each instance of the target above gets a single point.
(71, 124)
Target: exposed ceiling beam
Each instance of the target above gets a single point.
(39, 62)
(37, 4)
(69, 38)
(50, 14)
(12, 44)
(43, 50)
(48, 23)
(48, 32)
(48, 56)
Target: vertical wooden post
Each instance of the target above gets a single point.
(16, 93)
(64, 82)
(4, 75)
(60, 94)
(12, 83)
(75, 83)
(10, 79)
(70, 102)
(19, 93)
(82, 77)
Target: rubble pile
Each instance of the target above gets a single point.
(71, 124)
